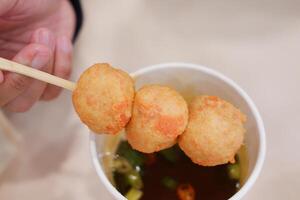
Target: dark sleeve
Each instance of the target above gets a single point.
(79, 17)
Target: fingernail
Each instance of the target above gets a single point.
(40, 60)
(45, 37)
(65, 44)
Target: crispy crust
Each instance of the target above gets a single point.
(103, 98)
(160, 115)
(214, 133)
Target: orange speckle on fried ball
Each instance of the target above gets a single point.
(159, 116)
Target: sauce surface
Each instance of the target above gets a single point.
(209, 183)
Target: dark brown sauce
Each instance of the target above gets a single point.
(209, 183)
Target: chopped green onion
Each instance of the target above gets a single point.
(134, 157)
(171, 154)
(134, 179)
(169, 183)
(121, 182)
(134, 194)
(234, 171)
(121, 165)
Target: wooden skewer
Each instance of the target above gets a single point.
(8, 129)
(8, 65)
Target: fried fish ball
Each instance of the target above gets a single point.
(160, 115)
(214, 133)
(103, 98)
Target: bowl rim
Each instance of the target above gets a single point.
(261, 130)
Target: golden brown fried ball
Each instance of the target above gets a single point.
(214, 132)
(160, 115)
(103, 98)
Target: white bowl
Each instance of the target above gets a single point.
(191, 80)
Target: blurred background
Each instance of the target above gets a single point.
(256, 43)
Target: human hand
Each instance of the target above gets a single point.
(36, 33)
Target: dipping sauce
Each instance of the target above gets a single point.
(170, 175)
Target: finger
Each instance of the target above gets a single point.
(45, 37)
(62, 65)
(34, 92)
(34, 55)
(13, 83)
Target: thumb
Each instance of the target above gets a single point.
(34, 55)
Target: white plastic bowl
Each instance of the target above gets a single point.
(191, 79)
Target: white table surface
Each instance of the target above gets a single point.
(256, 43)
